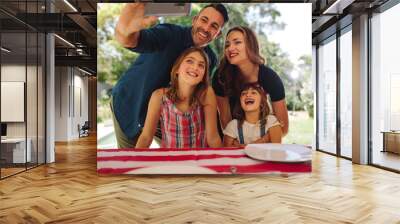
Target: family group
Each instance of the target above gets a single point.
(177, 84)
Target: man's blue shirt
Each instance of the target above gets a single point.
(159, 47)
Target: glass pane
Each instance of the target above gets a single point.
(15, 151)
(327, 96)
(346, 94)
(31, 96)
(41, 99)
(386, 89)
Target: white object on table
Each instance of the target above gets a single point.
(274, 152)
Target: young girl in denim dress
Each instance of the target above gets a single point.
(253, 123)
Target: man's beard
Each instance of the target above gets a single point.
(208, 35)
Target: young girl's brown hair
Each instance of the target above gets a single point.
(238, 112)
(200, 89)
(228, 74)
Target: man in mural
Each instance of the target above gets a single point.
(159, 46)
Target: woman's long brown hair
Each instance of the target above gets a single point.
(229, 75)
(200, 89)
(238, 112)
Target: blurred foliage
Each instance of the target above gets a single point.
(301, 129)
(305, 84)
(300, 95)
(114, 60)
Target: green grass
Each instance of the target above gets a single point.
(107, 142)
(301, 129)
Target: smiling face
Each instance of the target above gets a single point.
(235, 48)
(206, 26)
(192, 69)
(250, 100)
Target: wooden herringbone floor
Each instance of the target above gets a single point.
(70, 191)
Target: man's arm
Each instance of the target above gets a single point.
(224, 111)
(210, 113)
(130, 22)
(281, 114)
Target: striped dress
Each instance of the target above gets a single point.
(182, 129)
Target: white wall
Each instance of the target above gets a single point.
(61, 103)
(33, 127)
(13, 73)
(70, 84)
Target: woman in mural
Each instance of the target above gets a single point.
(241, 64)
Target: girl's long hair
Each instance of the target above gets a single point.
(238, 112)
(229, 75)
(200, 89)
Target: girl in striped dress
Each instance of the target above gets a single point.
(187, 110)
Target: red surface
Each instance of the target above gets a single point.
(232, 161)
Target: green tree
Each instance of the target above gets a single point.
(305, 84)
(255, 16)
(114, 60)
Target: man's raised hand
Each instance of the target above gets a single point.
(131, 21)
